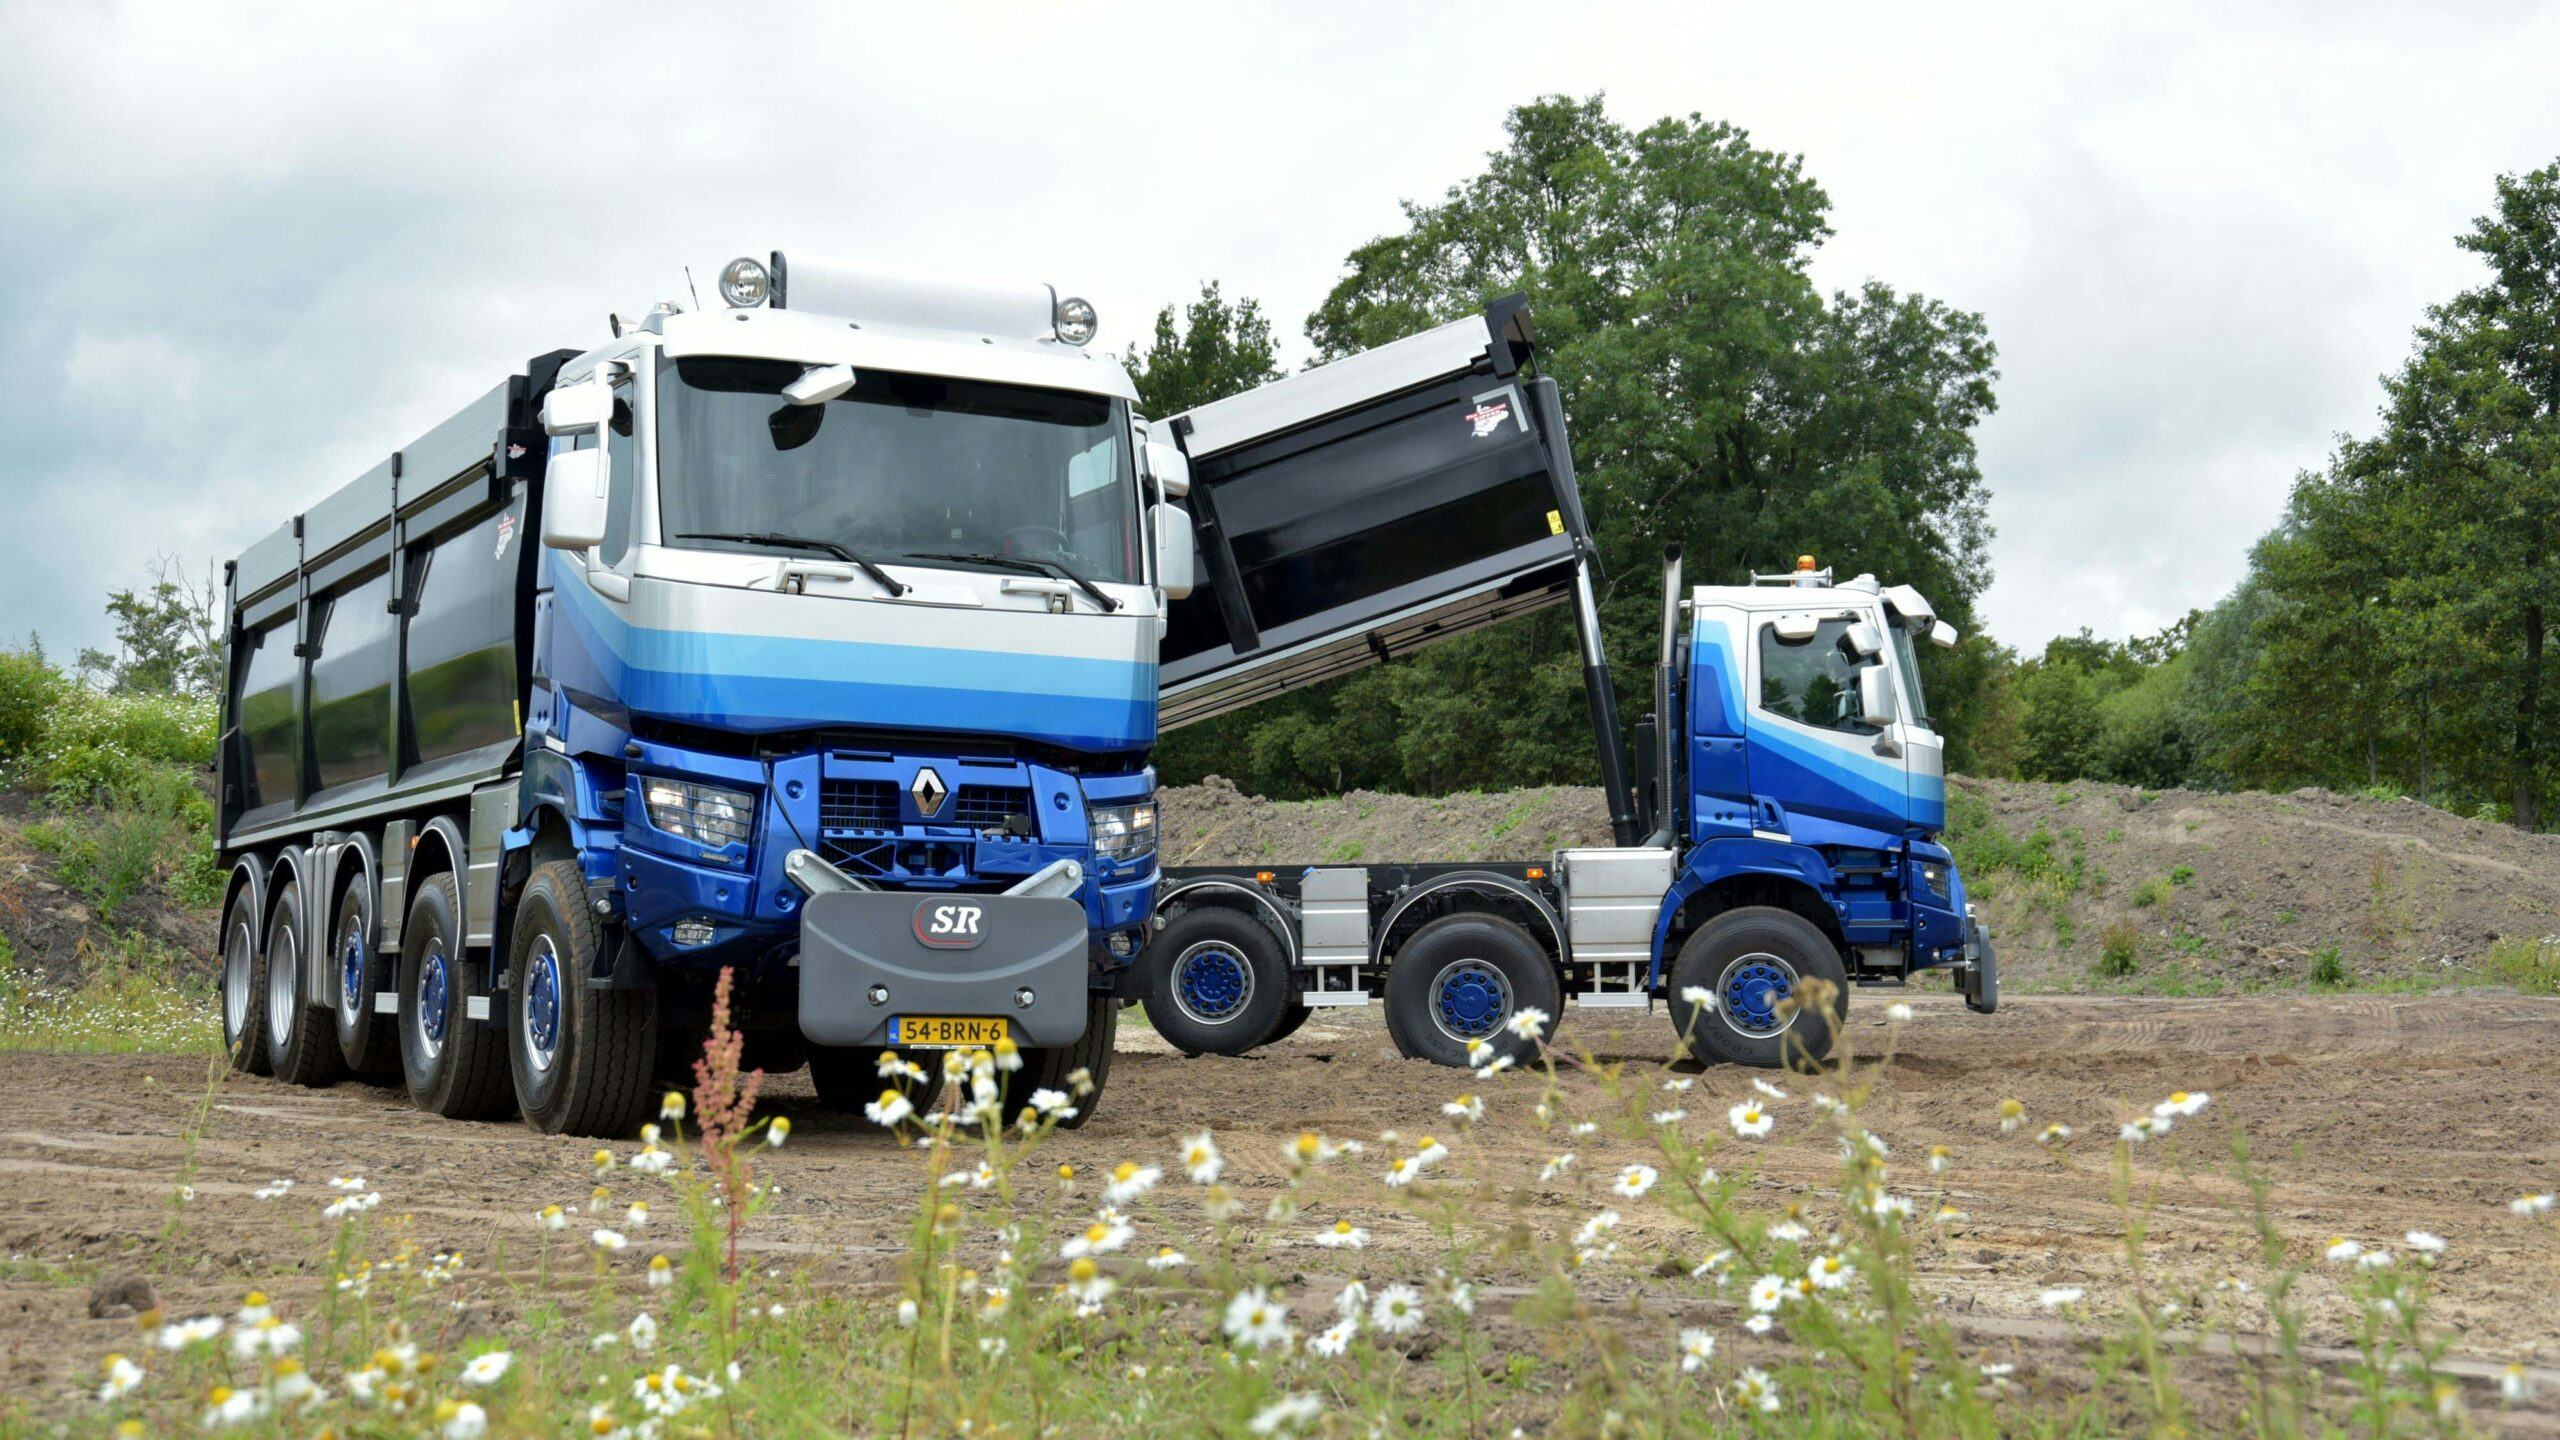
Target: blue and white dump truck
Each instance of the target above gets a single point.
(1783, 825)
(815, 638)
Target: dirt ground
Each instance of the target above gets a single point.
(2372, 1115)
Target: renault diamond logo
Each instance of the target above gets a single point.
(929, 791)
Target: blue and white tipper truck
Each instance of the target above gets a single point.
(822, 638)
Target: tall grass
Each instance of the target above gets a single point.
(1177, 1293)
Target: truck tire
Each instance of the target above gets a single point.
(1290, 1019)
(369, 1043)
(1458, 980)
(582, 1058)
(1750, 961)
(1217, 983)
(243, 994)
(454, 1067)
(302, 1041)
(848, 1078)
(1054, 1068)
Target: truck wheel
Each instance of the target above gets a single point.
(453, 1067)
(300, 1039)
(1458, 979)
(1054, 1068)
(848, 1077)
(1290, 1019)
(1750, 962)
(369, 1043)
(581, 1057)
(244, 987)
(1217, 983)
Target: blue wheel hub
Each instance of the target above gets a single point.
(351, 996)
(542, 1005)
(433, 977)
(1212, 983)
(1472, 999)
(1753, 989)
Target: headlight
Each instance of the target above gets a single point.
(1122, 832)
(1075, 320)
(1934, 876)
(707, 815)
(744, 283)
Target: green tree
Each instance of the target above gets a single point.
(1213, 351)
(2058, 723)
(168, 640)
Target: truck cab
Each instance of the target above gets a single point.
(1813, 776)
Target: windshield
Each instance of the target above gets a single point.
(899, 465)
(1907, 657)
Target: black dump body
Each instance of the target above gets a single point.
(378, 646)
(1368, 507)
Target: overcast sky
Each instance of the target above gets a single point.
(250, 252)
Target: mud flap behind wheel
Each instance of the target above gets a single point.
(1981, 970)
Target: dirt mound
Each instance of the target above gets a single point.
(51, 931)
(2248, 888)
(2191, 890)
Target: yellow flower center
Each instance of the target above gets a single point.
(1427, 1142)
(2012, 1108)
(1308, 1144)
(1066, 1172)
(1126, 1169)
(1095, 1234)
(2178, 1097)
(1196, 1155)
(257, 1298)
(1341, 1227)
(1082, 1270)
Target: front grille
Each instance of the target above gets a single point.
(857, 805)
(988, 807)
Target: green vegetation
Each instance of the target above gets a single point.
(1165, 1296)
(2532, 966)
(2119, 950)
(2329, 969)
(2151, 892)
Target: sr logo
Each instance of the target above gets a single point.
(951, 924)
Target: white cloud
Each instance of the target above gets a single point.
(2197, 238)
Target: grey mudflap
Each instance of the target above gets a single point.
(940, 954)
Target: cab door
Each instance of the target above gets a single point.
(1367, 508)
(1813, 758)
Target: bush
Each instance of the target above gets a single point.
(100, 746)
(2532, 966)
(29, 691)
(2119, 950)
(2329, 968)
(2150, 892)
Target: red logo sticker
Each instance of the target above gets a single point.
(1488, 417)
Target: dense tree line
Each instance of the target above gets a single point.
(2391, 631)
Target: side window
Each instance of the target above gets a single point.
(1812, 682)
(622, 462)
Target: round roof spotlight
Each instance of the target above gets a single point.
(1075, 320)
(745, 284)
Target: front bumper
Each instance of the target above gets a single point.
(870, 957)
(1980, 972)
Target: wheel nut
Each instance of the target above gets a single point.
(879, 994)
(1022, 998)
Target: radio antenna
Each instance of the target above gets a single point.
(688, 285)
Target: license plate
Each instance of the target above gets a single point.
(945, 1032)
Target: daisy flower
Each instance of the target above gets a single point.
(1697, 1347)
(1672, 1116)
(1400, 1173)
(1343, 1236)
(671, 1104)
(1201, 1160)
(1767, 1292)
(1556, 1166)
(489, 1369)
(1167, 1258)
(891, 1108)
(1756, 1390)
(2531, 1204)
(1698, 995)
(1289, 1412)
(1130, 1181)
(1897, 1012)
(661, 1273)
(2061, 1295)
(1749, 1120)
(1255, 1319)
(1397, 1310)
(1429, 1151)
(1334, 1339)
(1099, 1238)
(122, 1376)
(2054, 1134)
(1529, 1023)
(2013, 1113)
(604, 1239)
(2425, 1242)
(2341, 1250)
(2181, 1103)
(1469, 1108)
(1830, 1272)
(1633, 1181)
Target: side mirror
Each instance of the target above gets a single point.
(1177, 560)
(1171, 468)
(1865, 640)
(1914, 609)
(573, 498)
(819, 384)
(1942, 634)
(1875, 696)
(573, 408)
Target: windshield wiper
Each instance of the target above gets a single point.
(844, 553)
(1028, 566)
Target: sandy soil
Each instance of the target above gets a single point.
(2372, 1115)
